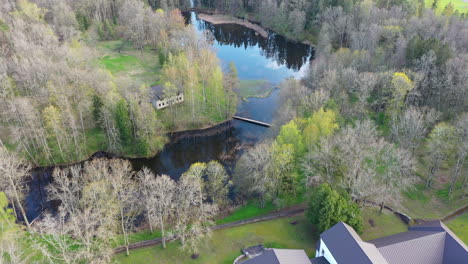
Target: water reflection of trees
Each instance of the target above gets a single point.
(276, 47)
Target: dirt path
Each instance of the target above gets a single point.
(291, 211)
(221, 19)
(283, 213)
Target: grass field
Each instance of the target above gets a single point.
(225, 245)
(460, 5)
(385, 224)
(122, 59)
(459, 226)
(255, 88)
(429, 203)
(251, 210)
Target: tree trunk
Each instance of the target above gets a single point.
(22, 211)
(163, 235)
(432, 174)
(455, 176)
(124, 232)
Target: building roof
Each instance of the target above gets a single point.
(319, 260)
(280, 256)
(157, 92)
(347, 247)
(428, 243)
(411, 247)
(254, 250)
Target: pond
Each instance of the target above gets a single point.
(257, 58)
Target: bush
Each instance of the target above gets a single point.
(327, 207)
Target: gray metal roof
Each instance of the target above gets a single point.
(319, 260)
(426, 249)
(281, 256)
(400, 237)
(347, 247)
(428, 243)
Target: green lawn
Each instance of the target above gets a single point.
(224, 246)
(385, 224)
(251, 210)
(122, 59)
(459, 226)
(254, 88)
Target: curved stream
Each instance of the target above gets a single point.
(272, 59)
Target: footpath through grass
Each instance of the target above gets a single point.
(252, 210)
(459, 226)
(225, 245)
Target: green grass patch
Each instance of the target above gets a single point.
(417, 193)
(252, 209)
(431, 203)
(459, 226)
(95, 140)
(459, 5)
(121, 59)
(385, 224)
(225, 245)
(255, 88)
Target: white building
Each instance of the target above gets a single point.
(160, 100)
(429, 243)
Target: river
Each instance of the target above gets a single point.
(272, 59)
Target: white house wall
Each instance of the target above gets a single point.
(326, 253)
(160, 104)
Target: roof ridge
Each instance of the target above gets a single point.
(414, 238)
(349, 229)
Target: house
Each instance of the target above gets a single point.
(429, 243)
(160, 100)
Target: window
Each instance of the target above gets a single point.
(323, 252)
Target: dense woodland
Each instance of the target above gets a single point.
(297, 19)
(383, 108)
(54, 93)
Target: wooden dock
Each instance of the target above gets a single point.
(252, 121)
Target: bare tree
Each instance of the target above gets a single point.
(461, 151)
(159, 200)
(440, 148)
(217, 183)
(193, 216)
(412, 125)
(13, 173)
(127, 197)
(90, 209)
(251, 177)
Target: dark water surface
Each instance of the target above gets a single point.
(272, 59)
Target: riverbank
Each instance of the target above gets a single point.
(218, 19)
(249, 22)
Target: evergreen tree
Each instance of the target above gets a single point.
(122, 119)
(327, 207)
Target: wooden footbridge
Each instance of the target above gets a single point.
(256, 122)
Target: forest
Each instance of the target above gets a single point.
(380, 115)
(59, 105)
